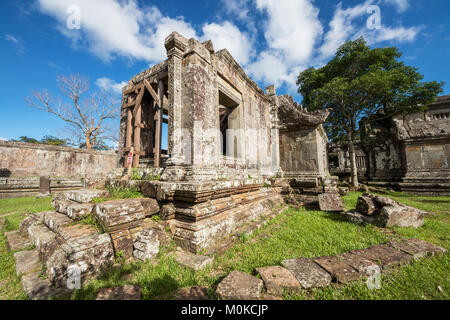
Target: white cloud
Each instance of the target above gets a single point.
(293, 33)
(118, 28)
(17, 42)
(293, 27)
(342, 27)
(227, 35)
(401, 5)
(400, 34)
(110, 85)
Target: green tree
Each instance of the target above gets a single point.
(25, 139)
(363, 82)
(47, 139)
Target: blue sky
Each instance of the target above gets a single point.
(272, 39)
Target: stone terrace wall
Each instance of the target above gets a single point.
(19, 159)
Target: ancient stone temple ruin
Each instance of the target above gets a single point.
(410, 152)
(213, 155)
(226, 139)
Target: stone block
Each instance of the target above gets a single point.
(127, 292)
(410, 248)
(85, 256)
(384, 255)
(54, 221)
(15, 241)
(30, 220)
(121, 214)
(167, 211)
(192, 293)
(429, 247)
(401, 216)
(122, 242)
(27, 261)
(364, 266)
(72, 209)
(307, 272)
(384, 201)
(339, 270)
(193, 261)
(330, 202)
(366, 206)
(278, 280)
(239, 285)
(356, 217)
(83, 195)
(146, 245)
(38, 288)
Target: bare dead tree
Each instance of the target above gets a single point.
(86, 118)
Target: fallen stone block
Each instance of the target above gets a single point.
(32, 219)
(308, 273)
(38, 288)
(401, 216)
(364, 266)
(366, 205)
(83, 195)
(356, 217)
(72, 209)
(54, 221)
(122, 243)
(121, 214)
(75, 231)
(15, 241)
(428, 246)
(384, 255)
(385, 201)
(146, 245)
(27, 261)
(410, 248)
(80, 258)
(167, 211)
(127, 292)
(239, 285)
(42, 237)
(278, 280)
(330, 202)
(192, 293)
(193, 261)
(339, 270)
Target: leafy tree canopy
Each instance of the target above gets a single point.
(359, 82)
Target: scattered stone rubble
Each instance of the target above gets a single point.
(55, 250)
(304, 273)
(385, 212)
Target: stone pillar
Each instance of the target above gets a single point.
(274, 131)
(175, 47)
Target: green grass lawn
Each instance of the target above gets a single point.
(292, 234)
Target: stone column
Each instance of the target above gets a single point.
(175, 47)
(274, 131)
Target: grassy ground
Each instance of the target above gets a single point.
(14, 211)
(294, 233)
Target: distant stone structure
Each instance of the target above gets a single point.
(409, 153)
(226, 139)
(23, 164)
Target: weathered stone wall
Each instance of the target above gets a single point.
(19, 159)
(411, 150)
(303, 152)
